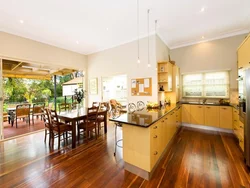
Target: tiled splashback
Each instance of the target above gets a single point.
(233, 97)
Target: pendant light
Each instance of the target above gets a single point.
(149, 65)
(155, 36)
(138, 39)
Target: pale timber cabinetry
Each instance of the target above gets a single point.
(216, 116)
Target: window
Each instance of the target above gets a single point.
(211, 84)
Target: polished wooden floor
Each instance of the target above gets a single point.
(197, 158)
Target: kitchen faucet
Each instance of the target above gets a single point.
(204, 101)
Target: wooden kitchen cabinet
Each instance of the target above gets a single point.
(197, 114)
(243, 53)
(165, 78)
(185, 113)
(178, 117)
(226, 117)
(212, 117)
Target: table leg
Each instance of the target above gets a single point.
(105, 122)
(73, 134)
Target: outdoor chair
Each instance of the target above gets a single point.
(22, 112)
(37, 111)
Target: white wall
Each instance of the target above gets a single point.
(122, 60)
(162, 51)
(21, 49)
(209, 56)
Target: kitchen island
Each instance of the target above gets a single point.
(146, 135)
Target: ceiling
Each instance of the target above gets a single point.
(17, 69)
(88, 26)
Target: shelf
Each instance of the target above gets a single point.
(162, 82)
(164, 91)
(162, 72)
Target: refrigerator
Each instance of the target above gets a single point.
(244, 109)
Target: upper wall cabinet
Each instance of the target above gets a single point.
(244, 53)
(165, 77)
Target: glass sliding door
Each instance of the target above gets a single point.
(1, 102)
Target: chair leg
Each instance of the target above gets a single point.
(59, 135)
(67, 138)
(33, 119)
(16, 122)
(115, 139)
(45, 135)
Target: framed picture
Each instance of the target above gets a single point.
(93, 87)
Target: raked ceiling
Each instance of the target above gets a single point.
(88, 26)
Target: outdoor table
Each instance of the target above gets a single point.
(75, 115)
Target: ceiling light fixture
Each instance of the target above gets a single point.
(107, 28)
(77, 42)
(202, 37)
(21, 21)
(202, 9)
(149, 65)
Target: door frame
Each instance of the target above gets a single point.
(1, 100)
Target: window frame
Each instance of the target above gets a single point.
(203, 85)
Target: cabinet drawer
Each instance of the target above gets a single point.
(226, 117)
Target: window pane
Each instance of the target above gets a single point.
(213, 84)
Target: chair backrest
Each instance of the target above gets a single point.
(74, 104)
(96, 104)
(23, 110)
(92, 114)
(63, 106)
(131, 107)
(46, 118)
(105, 105)
(140, 105)
(53, 116)
(37, 108)
(114, 104)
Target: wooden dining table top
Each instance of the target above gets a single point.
(75, 114)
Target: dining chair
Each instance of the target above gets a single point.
(89, 124)
(101, 118)
(37, 111)
(63, 107)
(96, 104)
(22, 112)
(47, 123)
(57, 128)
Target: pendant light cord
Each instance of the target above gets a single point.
(148, 39)
(138, 43)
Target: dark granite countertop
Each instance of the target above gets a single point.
(145, 117)
(210, 104)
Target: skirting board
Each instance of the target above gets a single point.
(206, 128)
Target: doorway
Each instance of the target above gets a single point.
(1, 101)
(115, 87)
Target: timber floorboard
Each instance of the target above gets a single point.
(196, 158)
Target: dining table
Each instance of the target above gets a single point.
(73, 116)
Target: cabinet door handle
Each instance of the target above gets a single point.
(200, 106)
(155, 127)
(162, 121)
(166, 118)
(241, 126)
(224, 108)
(155, 153)
(208, 107)
(155, 136)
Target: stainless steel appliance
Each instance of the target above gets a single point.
(244, 111)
